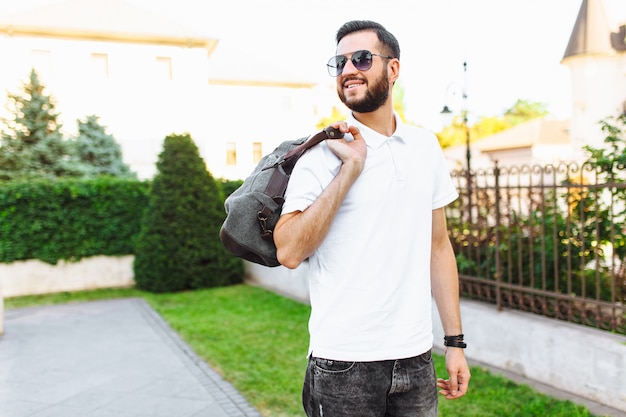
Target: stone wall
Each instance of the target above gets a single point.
(35, 277)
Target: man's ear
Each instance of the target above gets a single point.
(393, 70)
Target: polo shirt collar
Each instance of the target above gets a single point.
(374, 139)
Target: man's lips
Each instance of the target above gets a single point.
(353, 83)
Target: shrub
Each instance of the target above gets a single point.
(178, 247)
(69, 219)
(228, 186)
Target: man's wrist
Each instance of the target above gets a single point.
(454, 341)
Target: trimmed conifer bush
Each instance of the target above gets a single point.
(178, 247)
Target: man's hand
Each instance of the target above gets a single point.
(459, 372)
(351, 152)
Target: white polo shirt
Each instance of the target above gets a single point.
(370, 278)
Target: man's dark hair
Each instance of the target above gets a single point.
(390, 43)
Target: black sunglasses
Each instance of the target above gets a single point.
(362, 60)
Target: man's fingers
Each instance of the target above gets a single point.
(355, 132)
(342, 126)
(446, 389)
(454, 386)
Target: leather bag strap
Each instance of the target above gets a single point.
(283, 168)
(327, 133)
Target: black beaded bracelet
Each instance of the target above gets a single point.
(454, 341)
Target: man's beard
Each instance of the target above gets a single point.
(374, 98)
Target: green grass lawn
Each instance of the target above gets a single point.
(258, 341)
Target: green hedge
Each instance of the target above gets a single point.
(69, 218)
(228, 186)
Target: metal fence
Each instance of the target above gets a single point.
(550, 240)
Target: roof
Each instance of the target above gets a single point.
(107, 20)
(539, 131)
(592, 32)
(123, 21)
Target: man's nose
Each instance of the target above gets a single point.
(349, 68)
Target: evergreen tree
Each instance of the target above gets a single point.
(98, 150)
(178, 247)
(33, 145)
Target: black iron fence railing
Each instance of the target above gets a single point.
(550, 240)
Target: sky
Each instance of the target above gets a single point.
(513, 48)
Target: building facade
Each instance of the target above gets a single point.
(146, 77)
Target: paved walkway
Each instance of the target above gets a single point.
(106, 359)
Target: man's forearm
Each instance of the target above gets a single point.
(445, 288)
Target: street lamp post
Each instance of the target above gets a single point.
(468, 154)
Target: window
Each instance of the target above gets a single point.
(100, 65)
(164, 67)
(257, 152)
(231, 153)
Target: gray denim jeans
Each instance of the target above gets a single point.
(392, 388)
